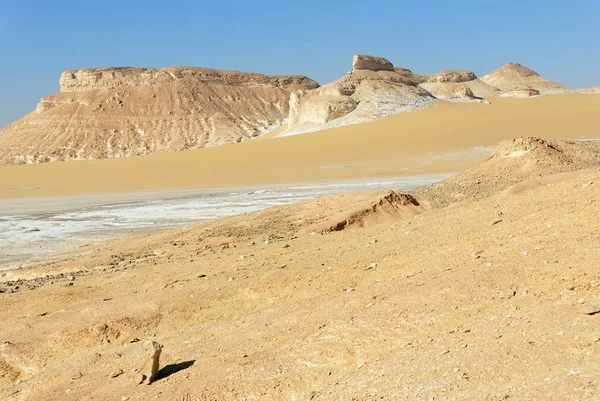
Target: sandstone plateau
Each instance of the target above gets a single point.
(120, 112)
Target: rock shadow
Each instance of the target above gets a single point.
(173, 368)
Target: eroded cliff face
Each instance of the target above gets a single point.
(120, 112)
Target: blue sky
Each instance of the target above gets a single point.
(40, 39)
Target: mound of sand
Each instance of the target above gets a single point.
(120, 112)
(512, 162)
(512, 76)
(372, 90)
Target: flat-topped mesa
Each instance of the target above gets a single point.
(104, 78)
(371, 63)
(120, 112)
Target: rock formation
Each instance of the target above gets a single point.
(371, 63)
(457, 85)
(523, 92)
(512, 76)
(373, 89)
(119, 112)
(594, 89)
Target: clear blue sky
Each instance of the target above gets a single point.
(40, 39)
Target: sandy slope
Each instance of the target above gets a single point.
(406, 144)
(483, 300)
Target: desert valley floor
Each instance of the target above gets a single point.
(482, 286)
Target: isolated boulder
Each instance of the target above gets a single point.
(371, 63)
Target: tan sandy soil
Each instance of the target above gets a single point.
(493, 299)
(407, 144)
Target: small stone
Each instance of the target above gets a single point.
(267, 241)
(560, 333)
(456, 370)
(286, 246)
(591, 309)
(587, 184)
(581, 300)
(134, 340)
(371, 266)
(547, 379)
(524, 253)
(70, 277)
(116, 373)
(369, 305)
(349, 289)
(124, 398)
(242, 257)
(549, 225)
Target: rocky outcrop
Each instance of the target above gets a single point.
(452, 76)
(371, 63)
(372, 90)
(461, 85)
(594, 89)
(512, 76)
(523, 92)
(120, 112)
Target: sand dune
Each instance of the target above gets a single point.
(421, 142)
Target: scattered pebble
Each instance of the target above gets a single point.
(560, 333)
(524, 253)
(350, 289)
(587, 184)
(371, 266)
(116, 373)
(581, 300)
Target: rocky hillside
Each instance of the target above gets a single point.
(120, 112)
(374, 88)
(513, 76)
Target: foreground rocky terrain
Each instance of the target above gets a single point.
(120, 112)
(356, 296)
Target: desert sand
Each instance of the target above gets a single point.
(362, 296)
(437, 139)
